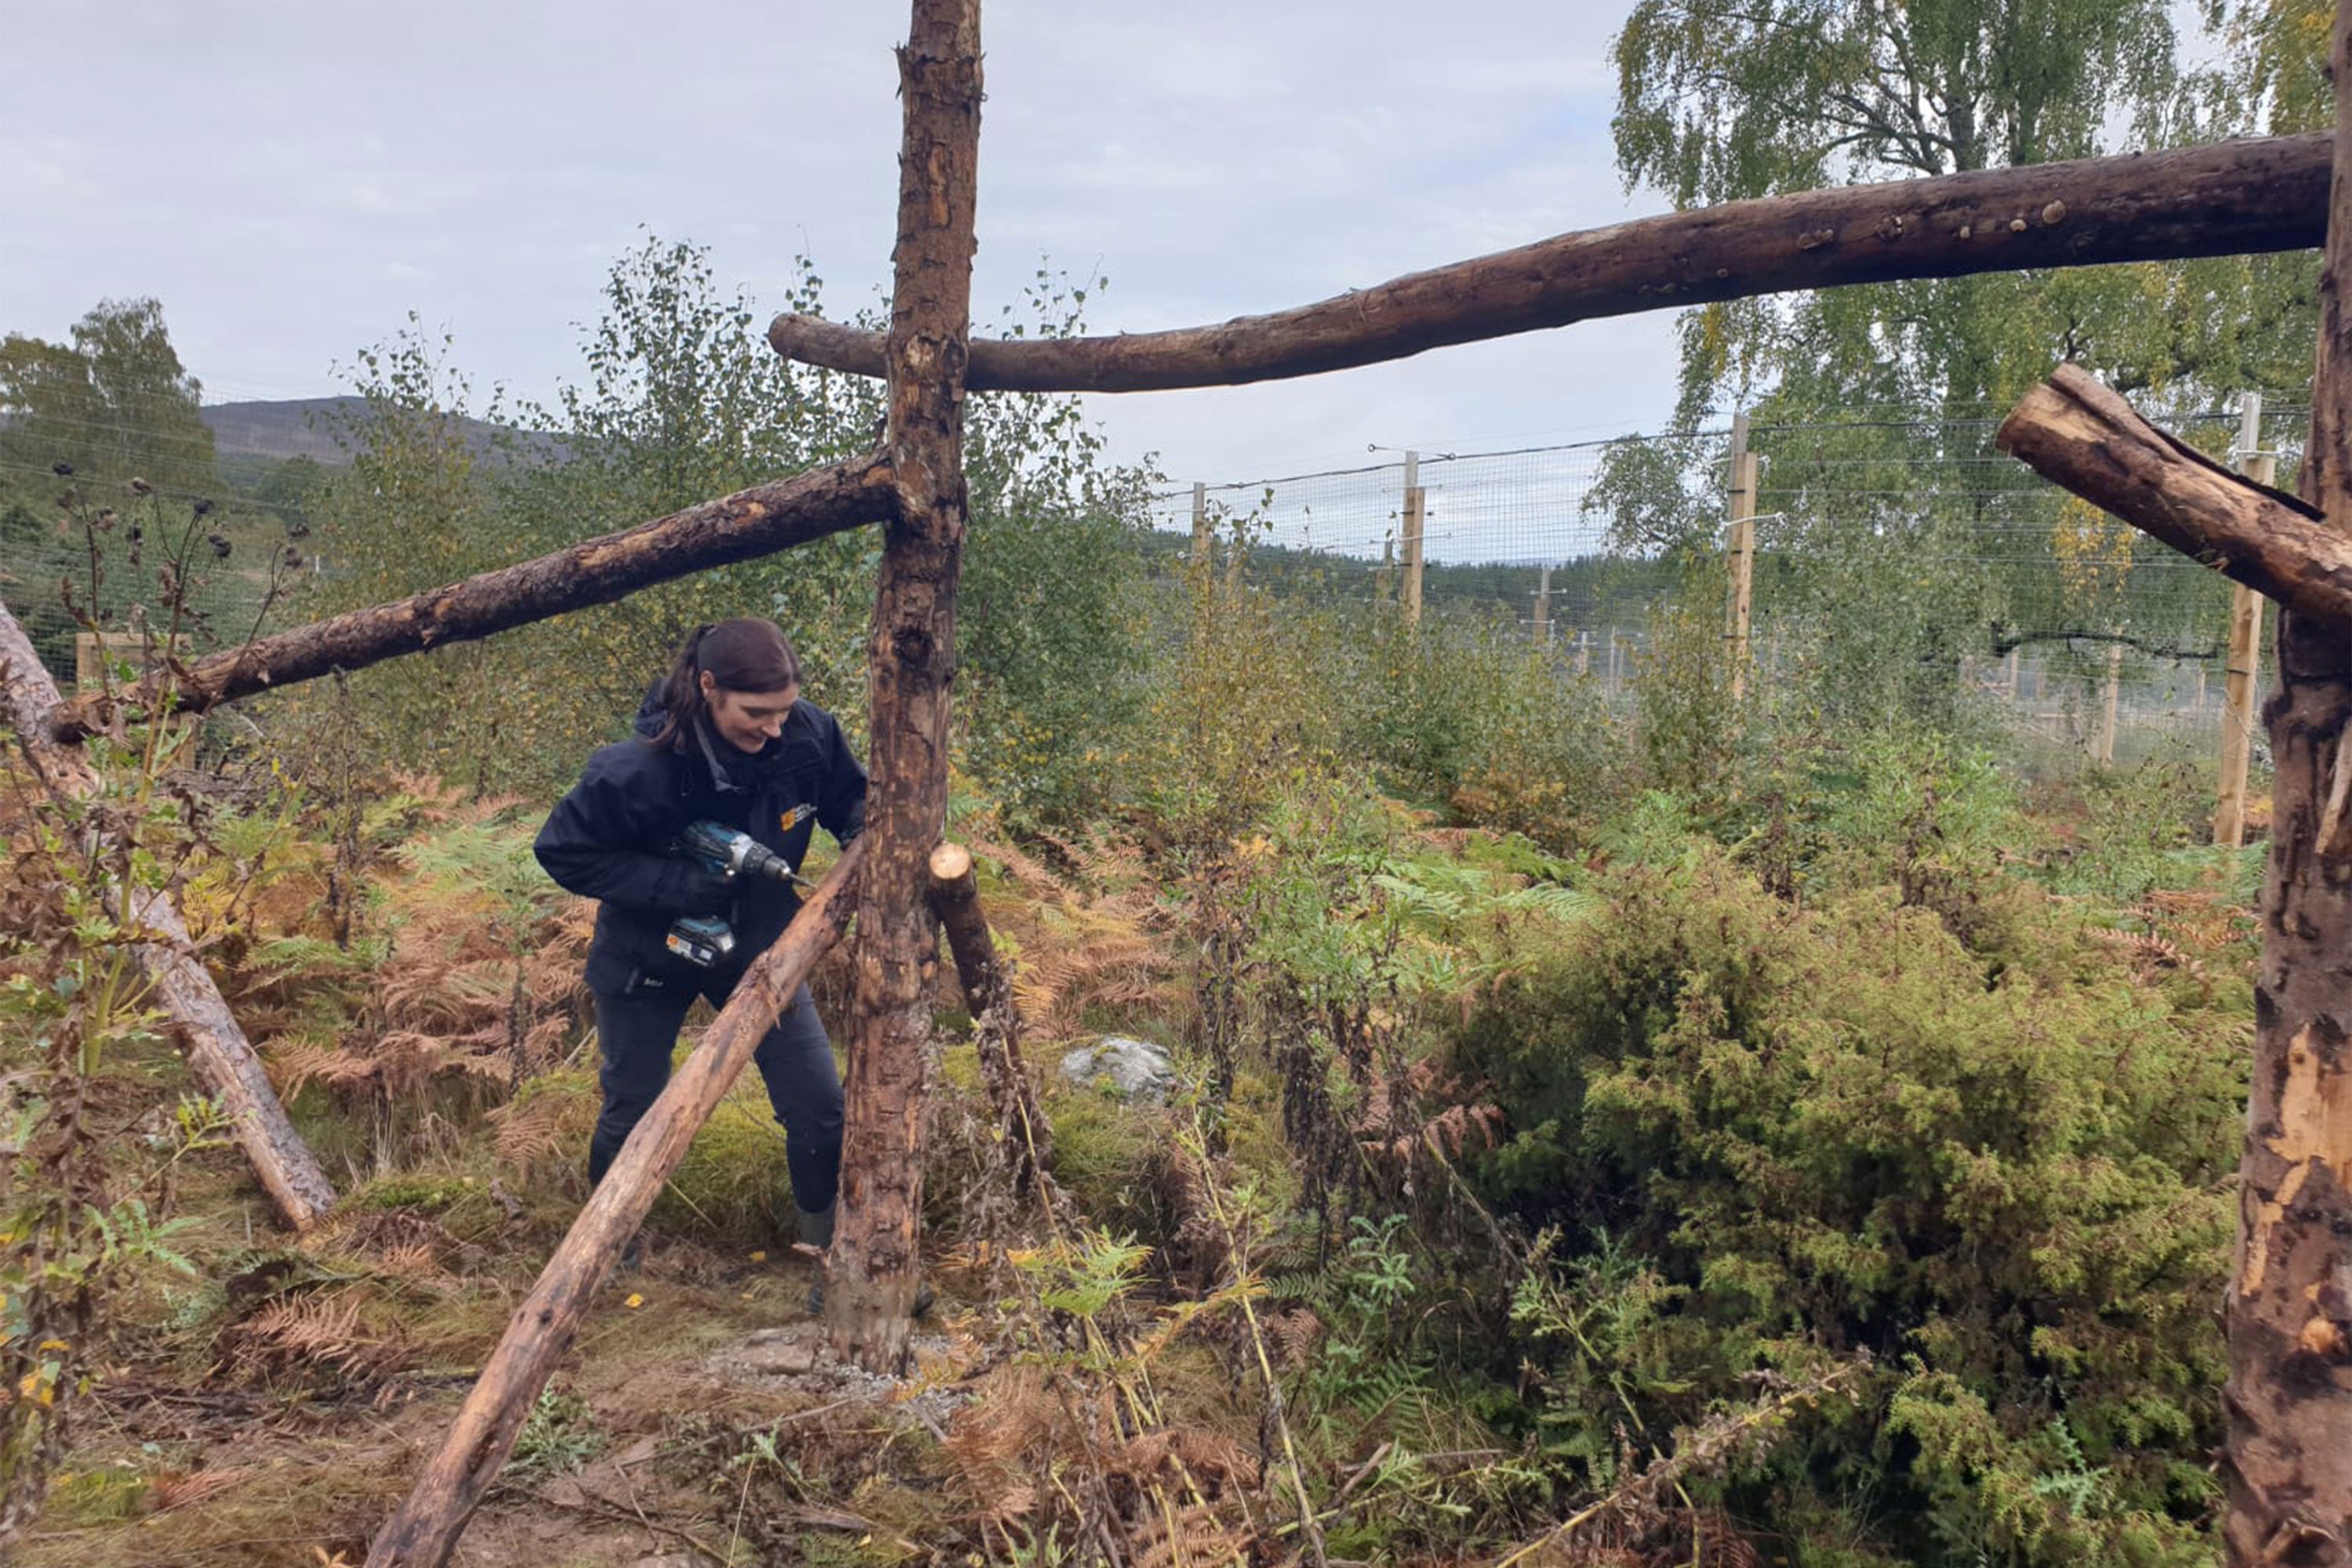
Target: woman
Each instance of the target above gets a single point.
(726, 738)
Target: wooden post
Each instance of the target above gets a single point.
(1543, 610)
(219, 1056)
(2110, 691)
(2287, 1458)
(1612, 660)
(2012, 681)
(996, 1019)
(911, 658)
(2245, 651)
(1202, 539)
(1415, 511)
(424, 1530)
(1743, 554)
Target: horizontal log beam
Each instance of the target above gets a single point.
(2230, 198)
(2085, 438)
(742, 527)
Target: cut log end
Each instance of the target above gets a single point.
(950, 864)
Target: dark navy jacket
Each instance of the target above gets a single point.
(610, 839)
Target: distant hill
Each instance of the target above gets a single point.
(307, 427)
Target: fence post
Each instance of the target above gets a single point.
(1543, 609)
(2111, 690)
(1613, 658)
(2245, 649)
(1201, 536)
(1743, 553)
(1416, 509)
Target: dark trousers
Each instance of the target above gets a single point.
(636, 1034)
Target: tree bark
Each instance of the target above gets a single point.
(2289, 1398)
(216, 1050)
(996, 1019)
(742, 527)
(873, 1258)
(424, 1530)
(2086, 438)
(2227, 199)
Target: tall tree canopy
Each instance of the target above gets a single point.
(114, 402)
(1720, 100)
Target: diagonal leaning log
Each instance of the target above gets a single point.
(742, 527)
(2084, 437)
(424, 1530)
(216, 1050)
(2230, 198)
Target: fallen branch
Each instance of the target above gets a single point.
(1708, 1445)
(2230, 198)
(218, 1052)
(742, 527)
(2085, 438)
(424, 1530)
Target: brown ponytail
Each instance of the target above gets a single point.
(743, 655)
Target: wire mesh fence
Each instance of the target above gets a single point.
(1889, 532)
(1888, 538)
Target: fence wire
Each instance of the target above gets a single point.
(1577, 545)
(2056, 610)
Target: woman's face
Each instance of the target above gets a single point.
(748, 721)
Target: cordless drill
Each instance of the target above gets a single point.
(706, 939)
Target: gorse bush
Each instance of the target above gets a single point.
(1806, 1132)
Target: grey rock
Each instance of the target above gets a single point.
(1130, 1068)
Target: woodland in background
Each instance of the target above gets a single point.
(1744, 1131)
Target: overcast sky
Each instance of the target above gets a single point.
(291, 180)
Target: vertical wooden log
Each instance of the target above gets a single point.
(1416, 510)
(424, 1530)
(1202, 539)
(1543, 609)
(2245, 652)
(996, 1019)
(2289, 1398)
(911, 660)
(219, 1056)
(1743, 554)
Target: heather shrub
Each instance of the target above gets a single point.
(1759, 1135)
